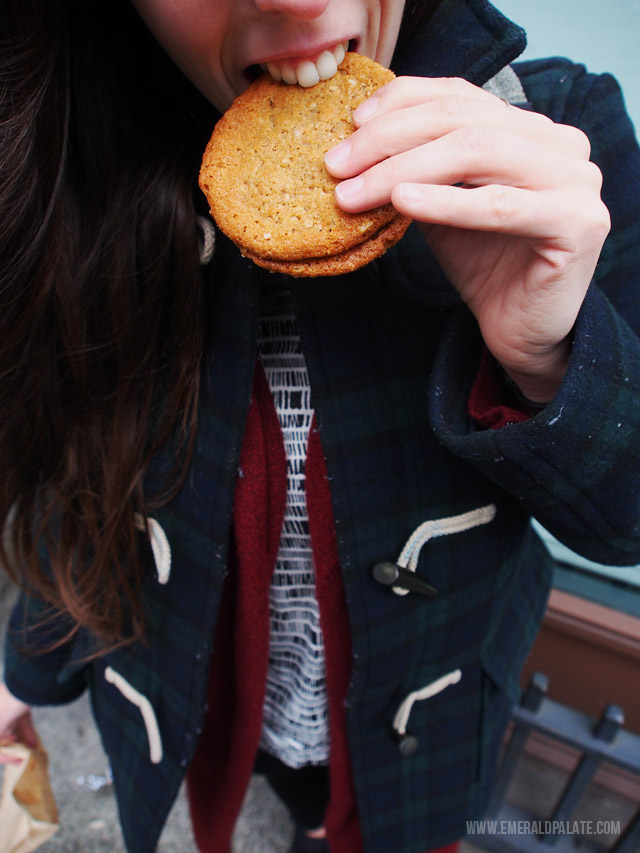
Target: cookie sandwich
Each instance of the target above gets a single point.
(268, 189)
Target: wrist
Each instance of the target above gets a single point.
(536, 383)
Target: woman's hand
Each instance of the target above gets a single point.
(15, 723)
(507, 200)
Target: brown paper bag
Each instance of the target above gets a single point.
(28, 813)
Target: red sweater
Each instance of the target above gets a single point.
(221, 769)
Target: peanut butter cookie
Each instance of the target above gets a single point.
(264, 176)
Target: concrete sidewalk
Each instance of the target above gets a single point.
(88, 813)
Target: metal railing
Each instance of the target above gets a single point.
(509, 827)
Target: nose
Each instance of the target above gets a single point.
(303, 10)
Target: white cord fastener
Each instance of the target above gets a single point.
(146, 709)
(402, 714)
(208, 243)
(159, 545)
(410, 554)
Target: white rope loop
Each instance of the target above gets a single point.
(410, 554)
(403, 713)
(159, 545)
(146, 709)
(208, 243)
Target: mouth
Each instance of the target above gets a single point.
(304, 71)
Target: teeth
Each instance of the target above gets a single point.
(340, 51)
(288, 74)
(326, 65)
(308, 73)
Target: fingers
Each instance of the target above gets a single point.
(409, 91)
(410, 112)
(4, 757)
(473, 156)
(15, 722)
(446, 152)
(497, 208)
(21, 731)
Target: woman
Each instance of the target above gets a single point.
(485, 370)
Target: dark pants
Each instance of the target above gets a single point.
(305, 792)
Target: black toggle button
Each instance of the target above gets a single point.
(407, 743)
(391, 574)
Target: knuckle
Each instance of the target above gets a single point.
(459, 84)
(397, 84)
(602, 223)
(583, 142)
(393, 171)
(456, 85)
(593, 221)
(502, 205)
(371, 142)
(540, 118)
(578, 141)
(594, 176)
(367, 137)
(474, 139)
(449, 207)
(454, 105)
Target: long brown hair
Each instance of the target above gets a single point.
(101, 300)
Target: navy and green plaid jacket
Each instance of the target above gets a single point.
(391, 356)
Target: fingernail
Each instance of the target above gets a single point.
(366, 109)
(338, 155)
(348, 190)
(410, 193)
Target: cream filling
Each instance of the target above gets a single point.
(307, 73)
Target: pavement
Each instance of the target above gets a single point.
(88, 815)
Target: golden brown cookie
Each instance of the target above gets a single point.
(264, 176)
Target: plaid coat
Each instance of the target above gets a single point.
(392, 355)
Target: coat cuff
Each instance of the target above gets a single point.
(493, 404)
(33, 674)
(574, 465)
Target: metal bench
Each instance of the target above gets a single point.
(508, 827)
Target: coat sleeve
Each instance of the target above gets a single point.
(35, 671)
(575, 466)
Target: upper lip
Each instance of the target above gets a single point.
(301, 51)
